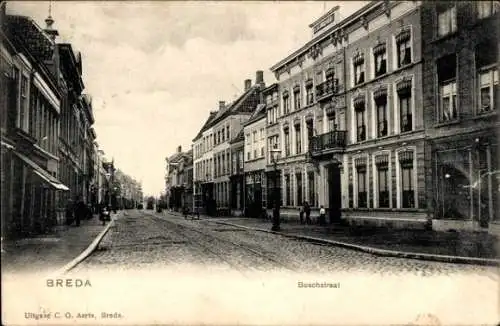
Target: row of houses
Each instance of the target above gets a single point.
(50, 155)
(387, 116)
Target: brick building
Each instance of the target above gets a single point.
(461, 101)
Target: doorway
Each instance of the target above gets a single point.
(334, 193)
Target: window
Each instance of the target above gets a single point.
(287, 141)
(309, 94)
(362, 189)
(288, 190)
(286, 103)
(262, 134)
(248, 139)
(23, 109)
(332, 122)
(404, 101)
(312, 191)
(487, 8)
(359, 69)
(359, 107)
(383, 181)
(381, 107)
(255, 136)
(32, 115)
(447, 88)
(298, 139)
(310, 131)
(262, 152)
(380, 60)
(447, 20)
(407, 186)
(227, 133)
(486, 59)
(404, 51)
(298, 179)
(296, 98)
(222, 135)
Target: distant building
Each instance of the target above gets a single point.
(178, 180)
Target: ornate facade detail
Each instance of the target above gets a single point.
(315, 51)
(364, 22)
(387, 8)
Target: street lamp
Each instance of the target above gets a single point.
(275, 153)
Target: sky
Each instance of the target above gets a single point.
(156, 69)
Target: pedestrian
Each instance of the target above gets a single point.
(322, 215)
(301, 214)
(80, 211)
(307, 211)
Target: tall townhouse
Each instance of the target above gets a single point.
(31, 129)
(461, 101)
(173, 179)
(203, 192)
(273, 183)
(87, 120)
(70, 141)
(360, 117)
(255, 162)
(306, 120)
(226, 126)
(384, 172)
(237, 177)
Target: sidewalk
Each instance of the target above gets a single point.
(49, 252)
(463, 247)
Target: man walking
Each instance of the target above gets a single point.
(80, 210)
(307, 211)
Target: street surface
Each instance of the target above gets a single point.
(148, 240)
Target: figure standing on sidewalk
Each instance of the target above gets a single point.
(307, 211)
(301, 214)
(80, 210)
(322, 215)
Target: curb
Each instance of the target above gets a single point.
(379, 252)
(93, 246)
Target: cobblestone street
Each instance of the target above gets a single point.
(148, 240)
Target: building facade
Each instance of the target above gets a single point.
(351, 119)
(203, 169)
(30, 128)
(254, 166)
(237, 177)
(179, 180)
(461, 101)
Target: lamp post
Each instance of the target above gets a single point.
(275, 152)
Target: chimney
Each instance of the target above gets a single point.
(248, 84)
(259, 77)
(222, 105)
(179, 149)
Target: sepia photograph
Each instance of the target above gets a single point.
(250, 162)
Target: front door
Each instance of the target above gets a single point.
(334, 193)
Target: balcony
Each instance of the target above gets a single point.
(332, 141)
(327, 88)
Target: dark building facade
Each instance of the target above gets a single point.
(30, 131)
(461, 99)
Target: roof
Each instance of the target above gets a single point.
(34, 43)
(246, 103)
(258, 114)
(206, 125)
(317, 39)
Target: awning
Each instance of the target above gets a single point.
(49, 179)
